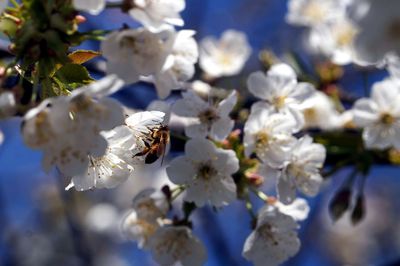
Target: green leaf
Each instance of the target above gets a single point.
(73, 75)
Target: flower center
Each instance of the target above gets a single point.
(208, 116)
(279, 102)
(387, 119)
(266, 232)
(310, 115)
(314, 11)
(262, 140)
(206, 172)
(345, 35)
(225, 59)
(43, 128)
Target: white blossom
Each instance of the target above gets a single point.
(67, 128)
(393, 66)
(280, 91)
(269, 135)
(1, 137)
(150, 204)
(206, 171)
(380, 115)
(109, 170)
(334, 40)
(176, 245)
(139, 229)
(207, 119)
(133, 53)
(163, 107)
(274, 239)
(7, 105)
(93, 7)
(3, 5)
(298, 209)
(102, 218)
(149, 207)
(155, 14)
(302, 170)
(314, 12)
(201, 88)
(179, 65)
(224, 57)
(379, 25)
(319, 111)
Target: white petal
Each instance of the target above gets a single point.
(181, 170)
(258, 85)
(286, 189)
(221, 129)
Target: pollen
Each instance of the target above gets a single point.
(314, 11)
(208, 116)
(279, 102)
(206, 171)
(262, 139)
(345, 35)
(310, 115)
(387, 119)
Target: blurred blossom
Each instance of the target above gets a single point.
(7, 105)
(393, 66)
(274, 239)
(93, 7)
(379, 115)
(149, 207)
(139, 229)
(151, 204)
(347, 244)
(206, 171)
(103, 218)
(313, 13)
(379, 26)
(298, 209)
(334, 40)
(156, 14)
(331, 30)
(201, 88)
(176, 245)
(224, 57)
(162, 106)
(110, 259)
(320, 112)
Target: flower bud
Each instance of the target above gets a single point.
(359, 210)
(8, 26)
(340, 203)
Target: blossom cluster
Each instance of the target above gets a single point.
(348, 31)
(232, 145)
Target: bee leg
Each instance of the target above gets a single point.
(151, 158)
(144, 151)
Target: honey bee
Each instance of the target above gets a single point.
(155, 145)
